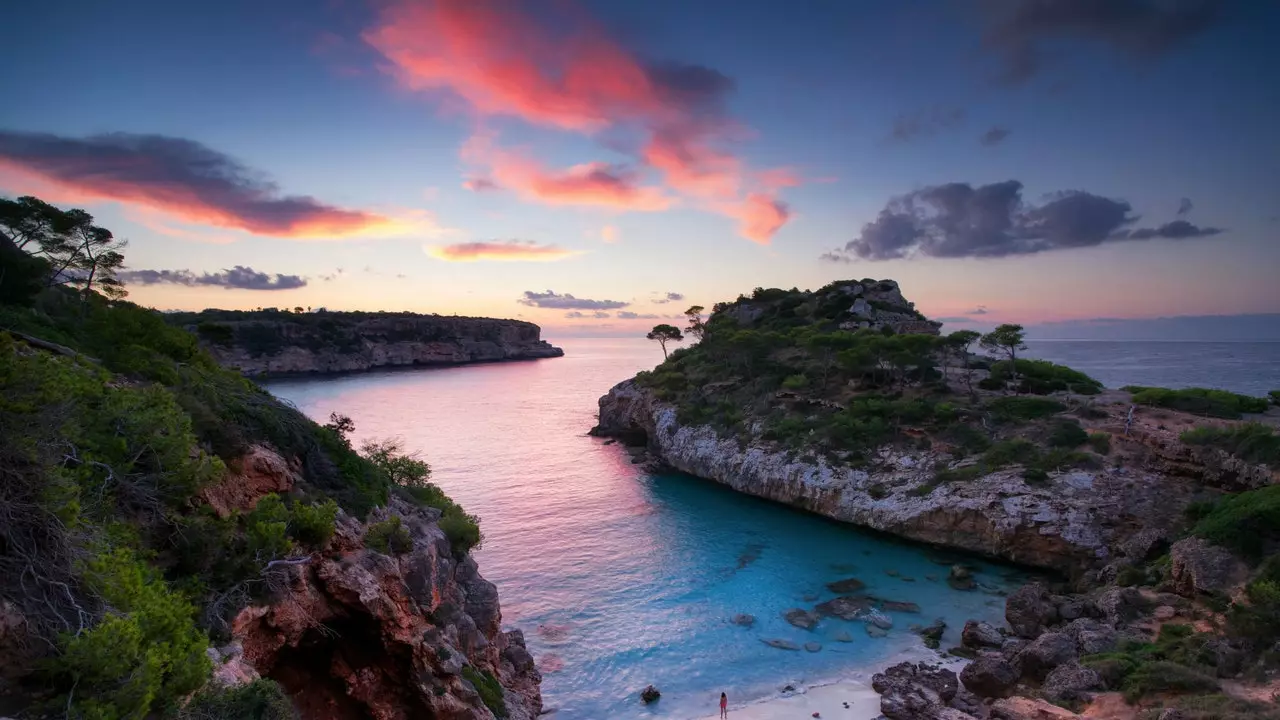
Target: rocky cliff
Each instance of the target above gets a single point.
(1075, 518)
(267, 343)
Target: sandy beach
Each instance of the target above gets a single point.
(827, 700)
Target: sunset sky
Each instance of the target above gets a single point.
(596, 165)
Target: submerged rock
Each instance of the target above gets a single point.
(843, 636)
(898, 606)
(802, 619)
(847, 607)
(932, 633)
(743, 619)
(961, 578)
(813, 647)
(650, 694)
(848, 585)
(780, 644)
(876, 631)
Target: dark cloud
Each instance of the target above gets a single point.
(960, 220)
(954, 319)
(180, 177)
(980, 310)
(550, 299)
(1184, 206)
(628, 315)
(237, 278)
(669, 297)
(693, 87)
(924, 123)
(480, 184)
(597, 315)
(994, 136)
(1020, 30)
(1176, 230)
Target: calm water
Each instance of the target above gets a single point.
(621, 578)
(1252, 368)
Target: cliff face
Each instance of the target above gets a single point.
(341, 342)
(1074, 519)
(356, 633)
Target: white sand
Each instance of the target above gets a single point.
(826, 700)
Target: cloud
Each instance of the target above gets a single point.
(1176, 230)
(597, 315)
(669, 297)
(181, 178)
(237, 278)
(1020, 30)
(609, 234)
(980, 310)
(925, 123)
(628, 315)
(559, 69)
(1184, 206)
(960, 220)
(502, 250)
(955, 320)
(994, 136)
(551, 299)
(760, 216)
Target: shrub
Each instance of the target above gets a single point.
(1246, 523)
(313, 524)
(1224, 707)
(795, 382)
(1274, 395)
(1041, 377)
(1163, 677)
(1198, 401)
(1258, 621)
(490, 691)
(1112, 667)
(1067, 434)
(1011, 452)
(388, 537)
(968, 473)
(258, 700)
(463, 531)
(1010, 409)
(967, 437)
(1100, 442)
(1035, 476)
(1252, 442)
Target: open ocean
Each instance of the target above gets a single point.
(621, 578)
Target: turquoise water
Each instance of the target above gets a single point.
(621, 578)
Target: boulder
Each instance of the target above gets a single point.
(961, 578)
(1025, 708)
(978, 634)
(1070, 682)
(1120, 605)
(1071, 608)
(1044, 654)
(1028, 609)
(744, 620)
(848, 585)
(876, 631)
(813, 646)
(989, 676)
(801, 618)
(1164, 612)
(846, 607)
(1198, 567)
(910, 691)
(878, 619)
(650, 694)
(1173, 714)
(897, 606)
(931, 634)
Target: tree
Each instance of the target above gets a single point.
(959, 343)
(94, 257)
(697, 327)
(1006, 340)
(665, 333)
(78, 252)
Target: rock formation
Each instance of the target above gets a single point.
(355, 633)
(324, 342)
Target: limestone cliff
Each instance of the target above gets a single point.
(1076, 518)
(268, 343)
(356, 633)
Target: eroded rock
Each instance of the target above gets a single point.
(1070, 682)
(978, 634)
(909, 691)
(1198, 567)
(989, 676)
(1044, 654)
(801, 618)
(1029, 609)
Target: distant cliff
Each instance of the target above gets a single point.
(270, 342)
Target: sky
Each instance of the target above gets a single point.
(597, 166)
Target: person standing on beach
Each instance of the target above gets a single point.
(724, 705)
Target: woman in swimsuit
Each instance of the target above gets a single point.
(724, 705)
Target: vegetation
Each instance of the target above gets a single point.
(1252, 442)
(389, 537)
(1198, 401)
(1006, 340)
(697, 326)
(1247, 523)
(490, 691)
(1179, 661)
(664, 334)
(1100, 442)
(258, 700)
(114, 420)
(1041, 377)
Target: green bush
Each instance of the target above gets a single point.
(1041, 377)
(1100, 442)
(490, 691)
(1274, 395)
(1198, 401)
(1112, 667)
(1012, 409)
(1224, 707)
(1246, 523)
(796, 382)
(1011, 452)
(1067, 434)
(258, 700)
(463, 531)
(388, 537)
(313, 524)
(1162, 677)
(1252, 442)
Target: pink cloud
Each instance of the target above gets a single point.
(501, 250)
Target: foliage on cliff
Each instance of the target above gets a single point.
(111, 422)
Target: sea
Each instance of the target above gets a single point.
(621, 578)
